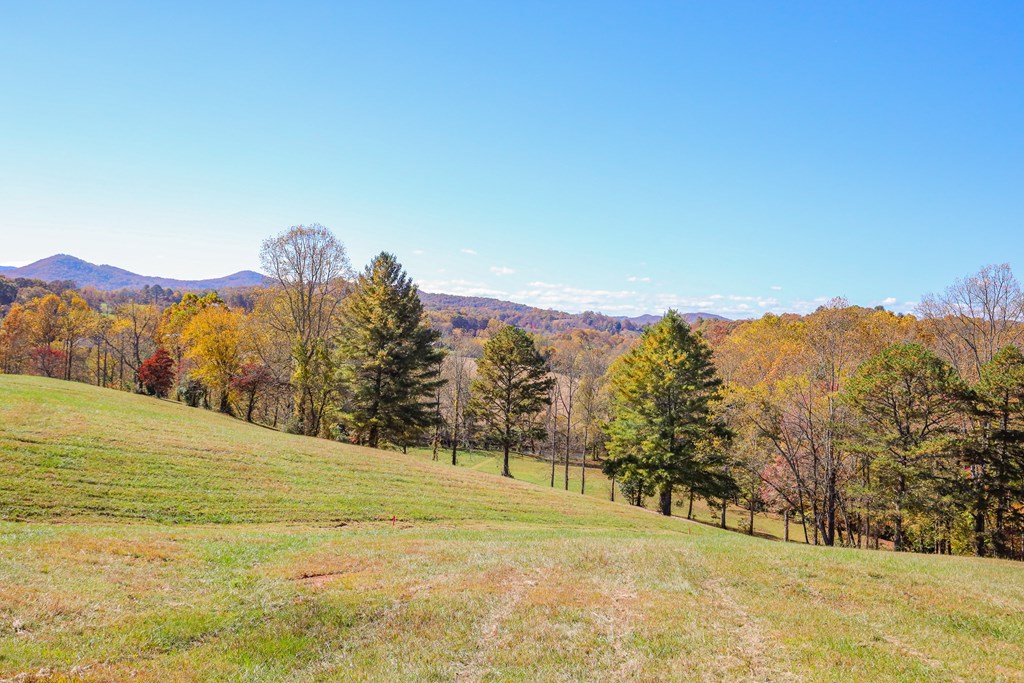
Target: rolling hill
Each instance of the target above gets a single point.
(104, 277)
(148, 541)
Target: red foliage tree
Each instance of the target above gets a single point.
(47, 360)
(250, 382)
(157, 373)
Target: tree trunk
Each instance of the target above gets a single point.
(665, 501)
(506, 472)
(583, 464)
(725, 504)
(455, 441)
(785, 526)
(980, 548)
(897, 540)
(689, 510)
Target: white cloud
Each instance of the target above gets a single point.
(463, 288)
(418, 252)
(776, 288)
(567, 297)
(889, 301)
(635, 278)
(471, 252)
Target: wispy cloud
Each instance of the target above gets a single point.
(889, 301)
(776, 288)
(463, 288)
(636, 278)
(574, 299)
(471, 252)
(418, 252)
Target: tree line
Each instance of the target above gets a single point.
(864, 427)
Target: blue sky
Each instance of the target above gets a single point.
(624, 157)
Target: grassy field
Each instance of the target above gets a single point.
(142, 540)
(537, 471)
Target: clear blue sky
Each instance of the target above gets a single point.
(626, 157)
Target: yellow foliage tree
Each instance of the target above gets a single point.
(213, 339)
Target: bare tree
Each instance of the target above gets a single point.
(592, 401)
(310, 266)
(567, 365)
(975, 317)
(456, 370)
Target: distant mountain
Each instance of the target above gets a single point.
(648, 319)
(468, 312)
(474, 312)
(85, 274)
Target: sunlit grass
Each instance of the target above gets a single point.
(149, 541)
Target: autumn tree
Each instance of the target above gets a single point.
(212, 339)
(176, 317)
(309, 265)
(76, 322)
(389, 361)
(157, 373)
(15, 339)
(132, 339)
(251, 382)
(512, 383)
(662, 394)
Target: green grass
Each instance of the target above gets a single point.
(147, 541)
(536, 470)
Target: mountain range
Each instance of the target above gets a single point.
(107, 277)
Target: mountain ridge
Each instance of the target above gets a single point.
(108, 278)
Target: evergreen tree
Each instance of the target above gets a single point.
(663, 430)
(910, 399)
(512, 383)
(388, 359)
(997, 466)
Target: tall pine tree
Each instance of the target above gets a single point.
(389, 360)
(664, 431)
(512, 382)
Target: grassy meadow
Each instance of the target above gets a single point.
(143, 540)
(538, 471)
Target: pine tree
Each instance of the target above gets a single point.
(512, 382)
(388, 357)
(911, 400)
(664, 432)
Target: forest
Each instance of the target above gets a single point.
(865, 427)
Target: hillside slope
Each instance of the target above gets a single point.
(144, 540)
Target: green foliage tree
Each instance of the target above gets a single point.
(664, 431)
(910, 399)
(997, 467)
(512, 383)
(389, 361)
